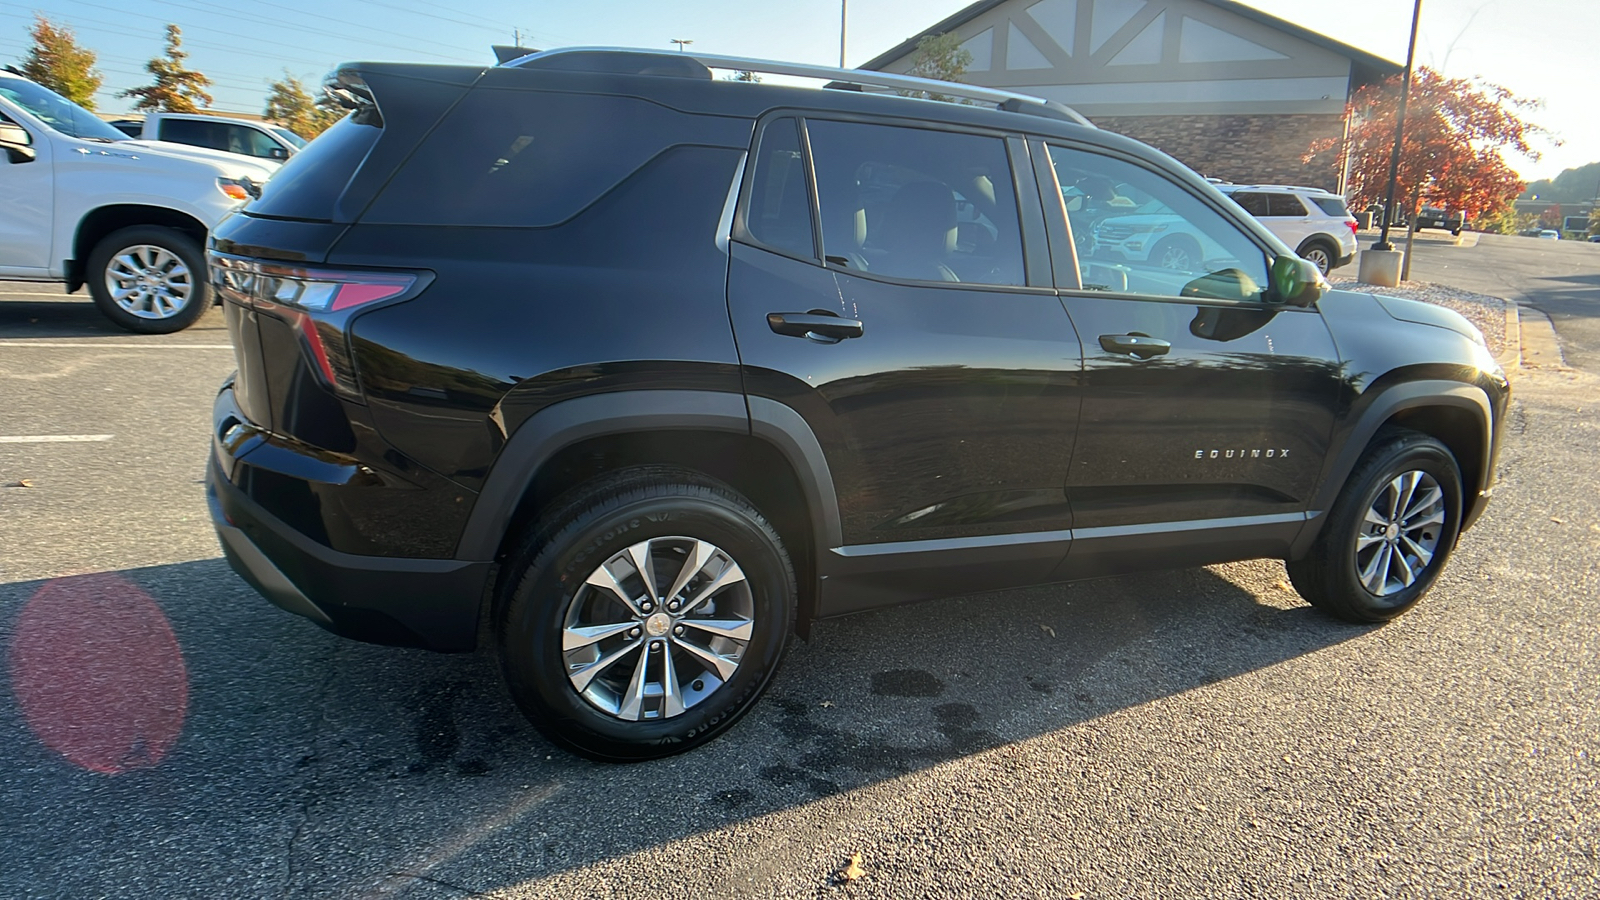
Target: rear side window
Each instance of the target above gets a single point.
(211, 135)
(1254, 203)
(1333, 206)
(914, 203)
(309, 184)
(514, 158)
(1287, 205)
(779, 215)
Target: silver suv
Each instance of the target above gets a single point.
(1311, 220)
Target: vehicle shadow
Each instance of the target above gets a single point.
(76, 316)
(311, 764)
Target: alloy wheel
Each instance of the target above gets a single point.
(1400, 533)
(1320, 258)
(148, 281)
(657, 628)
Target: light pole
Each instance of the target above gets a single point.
(682, 43)
(1399, 133)
(844, 15)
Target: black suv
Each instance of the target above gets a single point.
(633, 370)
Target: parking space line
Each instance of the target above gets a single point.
(95, 345)
(55, 438)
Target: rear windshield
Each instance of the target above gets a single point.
(309, 184)
(1333, 206)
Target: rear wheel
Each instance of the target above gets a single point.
(1388, 535)
(1320, 254)
(149, 279)
(646, 614)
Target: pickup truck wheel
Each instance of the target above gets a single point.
(1389, 533)
(646, 614)
(149, 279)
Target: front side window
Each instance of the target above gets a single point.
(249, 141)
(779, 214)
(1137, 232)
(917, 204)
(195, 133)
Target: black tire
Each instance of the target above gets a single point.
(1321, 253)
(1330, 575)
(547, 585)
(1179, 253)
(197, 298)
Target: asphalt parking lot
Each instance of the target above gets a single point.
(1200, 733)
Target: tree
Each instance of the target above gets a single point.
(743, 75)
(1457, 133)
(1551, 217)
(940, 57)
(1571, 186)
(175, 89)
(291, 106)
(1594, 220)
(56, 61)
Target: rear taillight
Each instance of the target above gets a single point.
(317, 302)
(1354, 226)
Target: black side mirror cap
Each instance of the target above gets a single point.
(1297, 282)
(17, 142)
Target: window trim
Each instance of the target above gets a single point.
(741, 231)
(1247, 228)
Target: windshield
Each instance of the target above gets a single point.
(289, 136)
(57, 111)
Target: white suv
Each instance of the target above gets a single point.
(1313, 221)
(83, 204)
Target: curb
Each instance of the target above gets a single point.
(1511, 357)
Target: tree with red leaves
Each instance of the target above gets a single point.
(1457, 132)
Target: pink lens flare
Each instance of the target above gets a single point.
(98, 674)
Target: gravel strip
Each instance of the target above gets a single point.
(1482, 310)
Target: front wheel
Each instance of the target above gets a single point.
(1388, 534)
(647, 613)
(149, 279)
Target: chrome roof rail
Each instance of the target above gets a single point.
(1007, 100)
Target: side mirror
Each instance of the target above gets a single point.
(277, 153)
(1296, 281)
(17, 142)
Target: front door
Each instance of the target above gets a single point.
(26, 223)
(921, 343)
(1207, 408)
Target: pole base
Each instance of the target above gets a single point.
(1381, 267)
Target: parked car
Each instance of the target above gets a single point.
(706, 360)
(1549, 234)
(84, 204)
(1313, 221)
(1434, 217)
(1594, 238)
(131, 127)
(269, 143)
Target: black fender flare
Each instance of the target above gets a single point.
(563, 424)
(1392, 400)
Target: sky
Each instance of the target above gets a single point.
(1536, 48)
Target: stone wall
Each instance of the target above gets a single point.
(1259, 149)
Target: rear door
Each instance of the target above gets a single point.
(887, 285)
(26, 225)
(1206, 408)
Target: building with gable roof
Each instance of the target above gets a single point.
(1231, 91)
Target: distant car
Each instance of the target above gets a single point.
(1313, 221)
(1549, 234)
(1594, 238)
(131, 127)
(266, 142)
(1433, 217)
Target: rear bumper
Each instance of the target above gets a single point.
(430, 603)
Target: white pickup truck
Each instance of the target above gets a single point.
(82, 204)
(271, 144)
